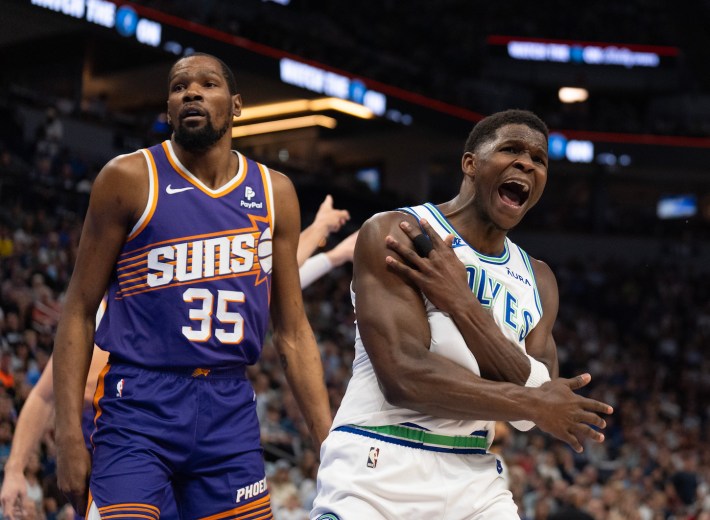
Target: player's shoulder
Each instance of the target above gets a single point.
(125, 177)
(544, 275)
(386, 221)
(282, 185)
(373, 231)
(125, 167)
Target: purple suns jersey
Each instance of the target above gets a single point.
(192, 283)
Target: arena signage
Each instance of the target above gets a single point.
(584, 53)
(107, 14)
(574, 150)
(587, 54)
(331, 84)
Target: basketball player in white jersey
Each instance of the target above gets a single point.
(449, 342)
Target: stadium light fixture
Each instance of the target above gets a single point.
(283, 124)
(304, 105)
(573, 94)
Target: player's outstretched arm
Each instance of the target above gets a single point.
(117, 200)
(320, 264)
(293, 336)
(33, 421)
(328, 220)
(394, 328)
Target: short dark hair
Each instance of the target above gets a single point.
(487, 127)
(226, 71)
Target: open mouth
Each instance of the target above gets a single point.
(514, 193)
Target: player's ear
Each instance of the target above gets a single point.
(236, 105)
(468, 164)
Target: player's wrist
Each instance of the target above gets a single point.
(335, 257)
(13, 468)
(67, 434)
(539, 374)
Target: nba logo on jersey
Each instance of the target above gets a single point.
(249, 192)
(119, 388)
(372, 457)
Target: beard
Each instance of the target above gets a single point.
(199, 139)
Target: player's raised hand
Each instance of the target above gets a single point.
(570, 417)
(330, 218)
(439, 274)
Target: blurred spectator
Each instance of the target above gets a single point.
(7, 376)
(49, 135)
(280, 485)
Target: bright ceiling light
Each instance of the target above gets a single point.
(304, 105)
(573, 94)
(341, 105)
(283, 124)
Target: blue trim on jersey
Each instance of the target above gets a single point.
(439, 217)
(414, 425)
(528, 264)
(409, 444)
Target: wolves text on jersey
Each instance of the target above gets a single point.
(488, 290)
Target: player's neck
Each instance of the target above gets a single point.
(474, 226)
(214, 166)
(484, 236)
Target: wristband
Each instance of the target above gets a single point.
(539, 375)
(313, 268)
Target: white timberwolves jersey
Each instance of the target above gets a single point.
(505, 285)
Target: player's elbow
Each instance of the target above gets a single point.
(395, 394)
(400, 389)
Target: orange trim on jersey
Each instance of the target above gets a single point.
(227, 232)
(135, 267)
(153, 202)
(138, 289)
(246, 510)
(88, 504)
(125, 515)
(97, 397)
(140, 259)
(190, 177)
(131, 271)
(130, 505)
(268, 187)
(265, 181)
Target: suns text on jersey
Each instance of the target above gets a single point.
(202, 259)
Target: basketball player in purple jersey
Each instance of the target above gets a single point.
(196, 246)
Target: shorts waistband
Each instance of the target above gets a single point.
(416, 437)
(234, 372)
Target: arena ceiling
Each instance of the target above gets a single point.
(47, 54)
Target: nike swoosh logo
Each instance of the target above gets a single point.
(170, 190)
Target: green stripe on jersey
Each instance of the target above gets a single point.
(428, 438)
